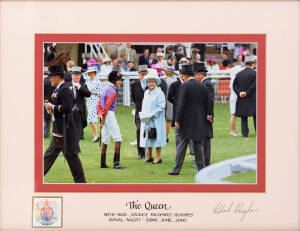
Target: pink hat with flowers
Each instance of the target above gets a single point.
(211, 59)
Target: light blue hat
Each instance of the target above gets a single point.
(92, 69)
(152, 74)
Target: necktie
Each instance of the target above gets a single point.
(74, 91)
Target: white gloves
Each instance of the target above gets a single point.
(144, 116)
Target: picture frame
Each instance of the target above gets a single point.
(260, 39)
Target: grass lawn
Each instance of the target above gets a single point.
(223, 147)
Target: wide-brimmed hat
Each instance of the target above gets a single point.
(92, 69)
(143, 68)
(45, 70)
(187, 69)
(169, 69)
(183, 59)
(56, 70)
(160, 54)
(106, 60)
(199, 67)
(76, 69)
(152, 74)
(250, 59)
(92, 62)
(211, 59)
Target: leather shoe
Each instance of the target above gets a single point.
(150, 160)
(118, 166)
(158, 162)
(173, 173)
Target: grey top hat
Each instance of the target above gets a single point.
(88, 56)
(45, 70)
(143, 68)
(76, 69)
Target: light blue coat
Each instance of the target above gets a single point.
(154, 104)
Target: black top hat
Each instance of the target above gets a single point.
(114, 76)
(187, 69)
(57, 70)
(199, 67)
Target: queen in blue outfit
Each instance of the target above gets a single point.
(153, 113)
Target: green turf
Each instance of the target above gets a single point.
(243, 177)
(223, 146)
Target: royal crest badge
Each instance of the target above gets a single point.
(47, 212)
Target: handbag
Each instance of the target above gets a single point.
(152, 134)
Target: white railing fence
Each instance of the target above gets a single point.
(215, 173)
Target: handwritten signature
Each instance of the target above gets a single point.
(237, 208)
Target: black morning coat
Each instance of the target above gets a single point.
(64, 97)
(137, 95)
(79, 101)
(68, 78)
(245, 81)
(48, 90)
(211, 100)
(192, 110)
(173, 97)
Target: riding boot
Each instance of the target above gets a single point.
(103, 156)
(117, 164)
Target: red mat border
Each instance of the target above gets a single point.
(81, 38)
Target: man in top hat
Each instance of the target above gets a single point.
(138, 89)
(48, 90)
(171, 78)
(80, 91)
(200, 75)
(68, 75)
(65, 135)
(191, 116)
(68, 78)
(106, 108)
(244, 85)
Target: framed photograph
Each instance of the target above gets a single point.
(119, 161)
(104, 50)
